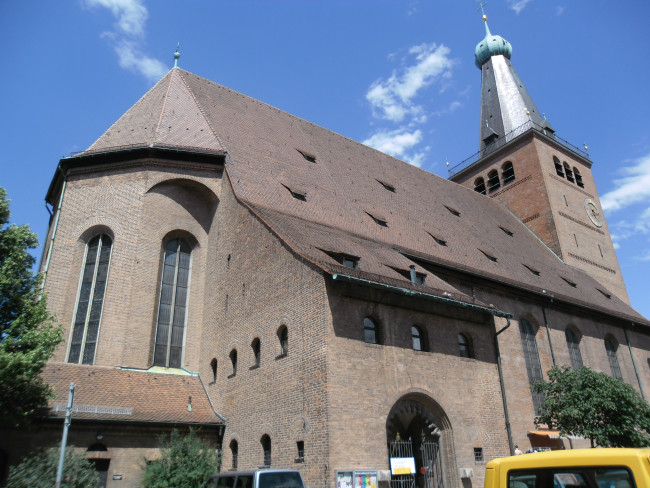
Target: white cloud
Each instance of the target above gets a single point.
(559, 11)
(397, 143)
(633, 188)
(131, 18)
(393, 99)
(518, 5)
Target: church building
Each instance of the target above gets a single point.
(309, 302)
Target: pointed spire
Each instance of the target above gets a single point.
(177, 55)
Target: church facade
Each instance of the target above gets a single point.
(312, 303)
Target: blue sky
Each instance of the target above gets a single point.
(398, 75)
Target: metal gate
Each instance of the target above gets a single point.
(431, 463)
(401, 449)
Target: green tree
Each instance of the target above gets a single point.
(28, 333)
(594, 405)
(38, 470)
(186, 460)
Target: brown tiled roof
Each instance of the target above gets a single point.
(114, 394)
(345, 188)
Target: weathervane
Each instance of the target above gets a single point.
(177, 55)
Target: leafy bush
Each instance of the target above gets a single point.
(38, 470)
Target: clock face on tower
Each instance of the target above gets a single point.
(594, 214)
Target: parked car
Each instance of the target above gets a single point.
(576, 468)
(260, 478)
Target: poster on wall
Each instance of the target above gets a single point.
(356, 479)
(402, 465)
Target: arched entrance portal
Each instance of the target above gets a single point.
(418, 428)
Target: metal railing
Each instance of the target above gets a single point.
(513, 134)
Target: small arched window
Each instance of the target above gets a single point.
(578, 177)
(85, 330)
(479, 186)
(531, 357)
(465, 346)
(370, 331)
(573, 344)
(172, 307)
(568, 172)
(234, 452)
(558, 167)
(266, 449)
(611, 347)
(507, 172)
(283, 337)
(255, 345)
(213, 366)
(493, 181)
(418, 339)
(233, 361)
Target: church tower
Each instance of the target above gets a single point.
(540, 177)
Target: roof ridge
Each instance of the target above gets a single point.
(162, 110)
(198, 105)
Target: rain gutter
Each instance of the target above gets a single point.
(419, 294)
(56, 225)
(503, 388)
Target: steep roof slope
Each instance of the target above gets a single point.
(323, 194)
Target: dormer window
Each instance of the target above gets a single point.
(346, 260)
(453, 211)
(438, 240)
(298, 195)
(378, 220)
(387, 186)
(569, 282)
(309, 157)
(532, 270)
(489, 256)
(508, 232)
(413, 276)
(604, 293)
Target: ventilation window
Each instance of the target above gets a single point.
(569, 282)
(378, 220)
(605, 294)
(345, 259)
(578, 177)
(390, 188)
(507, 172)
(453, 211)
(509, 232)
(479, 186)
(490, 257)
(297, 194)
(438, 241)
(532, 270)
(478, 454)
(568, 172)
(309, 157)
(493, 181)
(413, 276)
(558, 167)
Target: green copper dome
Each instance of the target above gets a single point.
(490, 46)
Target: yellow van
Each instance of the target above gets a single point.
(576, 468)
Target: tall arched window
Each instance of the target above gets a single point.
(283, 337)
(479, 186)
(611, 348)
(558, 167)
(568, 172)
(507, 172)
(531, 356)
(213, 366)
(578, 177)
(170, 328)
(418, 339)
(464, 346)
(234, 452)
(255, 345)
(493, 181)
(90, 301)
(370, 331)
(573, 343)
(266, 449)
